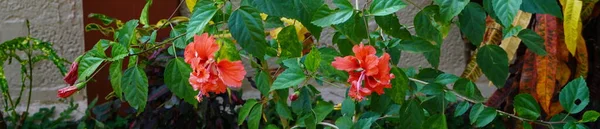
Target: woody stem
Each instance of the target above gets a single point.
(541, 122)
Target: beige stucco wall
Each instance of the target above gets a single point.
(56, 21)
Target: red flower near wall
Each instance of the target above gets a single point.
(209, 75)
(367, 72)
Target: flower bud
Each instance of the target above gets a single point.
(294, 96)
(69, 90)
(71, 76)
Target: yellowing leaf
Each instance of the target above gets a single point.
(263, 16)
(572, 13)
(300, 29)
(563, 73)
(492, 35)
(511, 44)
(582, 57)
(190, 4)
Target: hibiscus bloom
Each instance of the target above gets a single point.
(209, 75)
(368, 73)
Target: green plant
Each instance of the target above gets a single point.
(281, 40)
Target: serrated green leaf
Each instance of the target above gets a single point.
(446, 78)
(461, 108)
(589, 116)
(326, 17)
(450, 8)
(366, 120)
(135, 87)
(493, 62)
(290, 77)
(116, 74)
(533, 41)
(348, 107)
(412, 115)
(245, 110)
(126, 35)
(263, 83)
(506, 10)
(542, 7)
(354, 29)
(255, 116)
(468, 89)
(180, 29)
(424, 24)
(344, 122)
(288, 42)
(322, 110)
(247, 28)
(118, 52)
(399, 86)
(144, 16)
(417, 45)
(437, 121)
(574, 96)
(303, 104)
(177, 74)
(88, 65)
(283, 110)
(526, 106)
(203, 12)
(313, 59)
(385, 7)
(472, 23)
(279, 8)
(390, 25)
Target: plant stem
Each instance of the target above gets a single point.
(160, 44)
(412, 3)
(541, 122)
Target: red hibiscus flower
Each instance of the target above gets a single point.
(209, 75)
(71, 76)
(368, 73)
(69, 90)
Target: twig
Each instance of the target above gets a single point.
(321, 123)
(541, 122)
(412, 3)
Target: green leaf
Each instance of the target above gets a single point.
(283, 111)
(575, 96)
(472, 23)
(263, 83)
(494, 63)
(289, 77)
(245, 110)
(227, 50)
(279, 8)
(116, 74)
(348, 107)
(433, 57)
(450, 97)
(309, 120)
(468, 89)
(180, 29)
(526, 125)
(475, 111)
(437, 121)
(390, 25)
(87, 65)
(446, 78)
(135, 87)
(289, 43)
(533, 41)
(424, 24)
(203, 12)
(506, 10)
(366, 120)
(589, 116)
(344, 122)
(412, 115)
(461, 108)
(399, 86)
(485, 117)
(303, 104)
(526, 106)
(177, 74)
(354, 28)
(322, 110)
(254, 117)
(144, 16)
(118, 52)
(325, 16)
(385, 7)
(561, 118)
(417, 45)
(272, 126)
(247, 28)
(313, 60)
(126, 35)
(573, 125)
(511, 31)
(542, 7)
(450, 8)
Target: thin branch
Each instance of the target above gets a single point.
(412, 3)
(321, 123)
(541, 122)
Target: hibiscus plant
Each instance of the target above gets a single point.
(279, 48)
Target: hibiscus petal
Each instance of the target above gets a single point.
(189, 53)
(205, 46)
(348, 63)
(361, 51)
(370, 65)
(231, 73)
